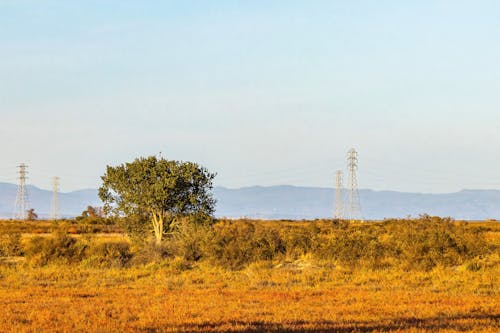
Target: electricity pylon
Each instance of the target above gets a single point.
(54, 209)
(354, 200)
(338, 213)
(21, 205)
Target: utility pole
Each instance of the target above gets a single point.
(54, 209)
(21, 205)
(338, 196)
(354, 201)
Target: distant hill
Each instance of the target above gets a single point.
(290, 202)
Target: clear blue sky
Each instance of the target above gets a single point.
(261, 92)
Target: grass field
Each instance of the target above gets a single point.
(303, 294)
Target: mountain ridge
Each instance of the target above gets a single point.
(290, 202)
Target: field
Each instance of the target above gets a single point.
(295, 291)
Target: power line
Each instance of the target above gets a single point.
(21, 205)
(338, 213)
(54, 209)
(354, 200)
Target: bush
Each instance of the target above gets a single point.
(268, 245)
(136, 227)
(150, 252)
(189, 239)
(302, 240)
(108, 254)
(10, 245)
(60, 248)
(418, 244)
(424, 243)
(231, 244)
(351, 247)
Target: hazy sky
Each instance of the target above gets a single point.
(261, 92)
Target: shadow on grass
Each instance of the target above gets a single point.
(466, 322)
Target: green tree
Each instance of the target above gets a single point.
(160, 189)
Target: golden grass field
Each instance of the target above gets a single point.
(305, 295)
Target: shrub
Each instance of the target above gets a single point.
(231, 244)
(301, 240)
(268, 245)
(340, 224)
(60, 248)
(150, 252)
(189, 238)
(349, 247)
(430, 241)
(418, 244)
(136, 227)
(108, 254)
(73, 230)
(10, 245)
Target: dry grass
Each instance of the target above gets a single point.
(306, 295)
(299, 297)
(41, 227)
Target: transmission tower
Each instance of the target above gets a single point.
(338, 213)
(21, 205)
(54, 209)
(354, 201)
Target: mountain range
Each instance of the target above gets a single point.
(289, 202)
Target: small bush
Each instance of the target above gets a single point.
(150, 252)
(268, 245)
(60, 248)
(188, 239)
(108, 254)
(179, 264)
(73, 230)
(137, 227)
(10, 245)
(231, 244)
(350, 247)
(427, 242)
(300, 241)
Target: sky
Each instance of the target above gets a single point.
(260, 92)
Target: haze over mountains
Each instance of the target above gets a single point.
(312, 202)
(289, 202)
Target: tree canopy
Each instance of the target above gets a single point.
(159, 189)
(31, 215)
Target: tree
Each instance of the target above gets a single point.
(31, 215)
(94, 212)
(160, 189)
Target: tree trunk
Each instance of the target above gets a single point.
(158, 220)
